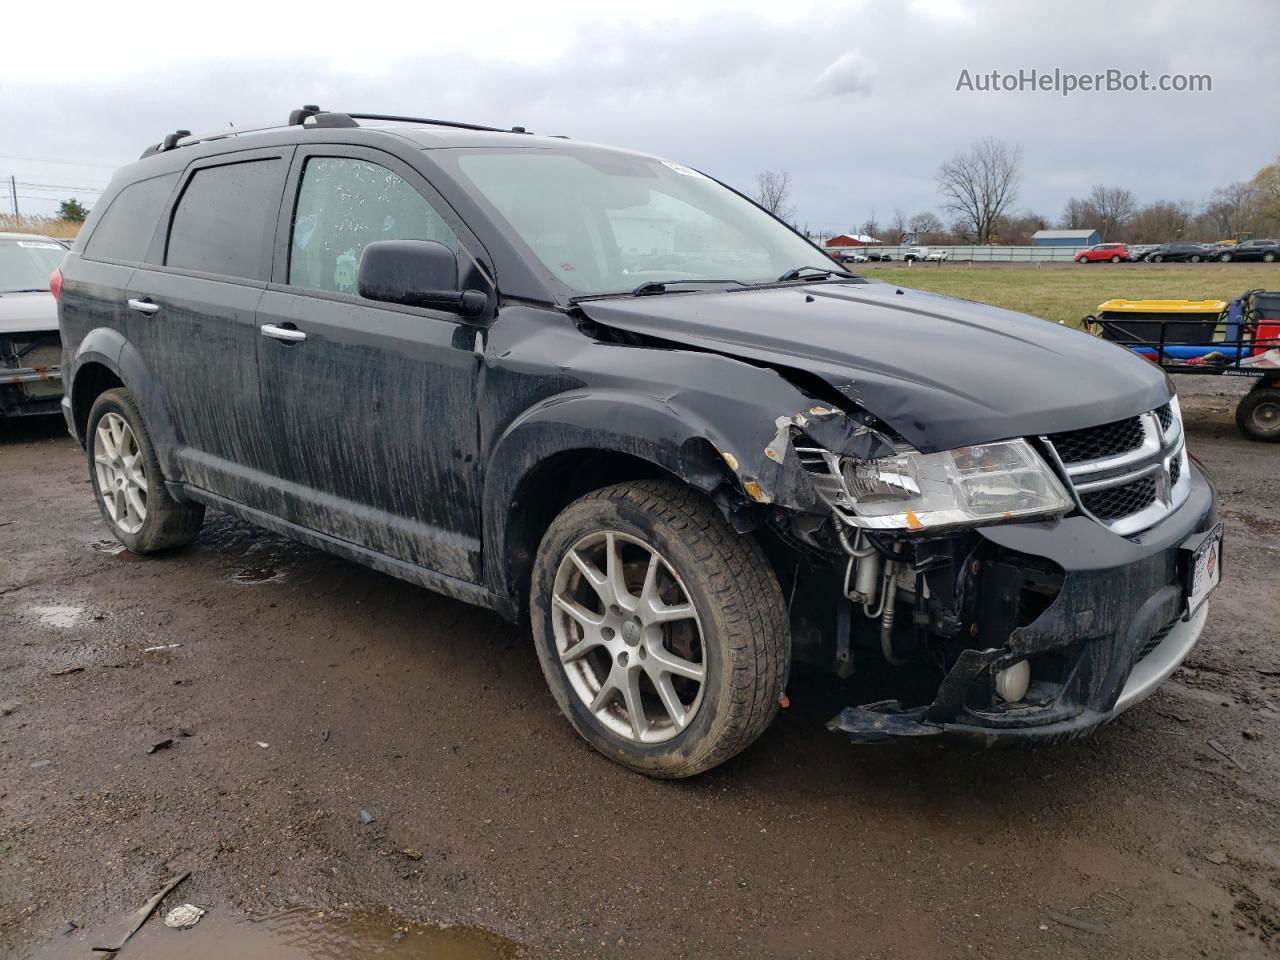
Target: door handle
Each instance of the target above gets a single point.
(287, 334)
(143, 305)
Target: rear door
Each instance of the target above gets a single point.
(192, 316)
(371, 406)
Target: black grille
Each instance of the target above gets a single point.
(1112, 503)
(1156, 640)
(1094, 443)
(1165, 416)
(1175, 470)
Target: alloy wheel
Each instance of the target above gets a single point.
(122, 478)
(628, 637)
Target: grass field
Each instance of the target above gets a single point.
(1067, 292)
(47, 226)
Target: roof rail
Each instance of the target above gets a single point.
(311, 115)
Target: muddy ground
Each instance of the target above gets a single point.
(304, 689)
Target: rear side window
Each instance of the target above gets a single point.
(126, 229)
(225, 220)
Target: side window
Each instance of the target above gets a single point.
(127, 226)
(226, 218)
(345, 204)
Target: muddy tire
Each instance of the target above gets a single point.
(128, 483)
(1258, 414)
(662, 633)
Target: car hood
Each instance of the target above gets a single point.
(942, 372)
(28, 312)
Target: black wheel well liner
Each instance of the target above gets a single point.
(92, 380)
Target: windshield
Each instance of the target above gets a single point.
(27, 264)
(605, 222)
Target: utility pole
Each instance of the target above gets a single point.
(13, 188)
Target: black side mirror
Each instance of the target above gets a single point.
(417, 273)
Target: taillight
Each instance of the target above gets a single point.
(55, 283)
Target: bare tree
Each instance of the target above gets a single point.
(870, 226)
(773, 192)
(980, 185)
(926, 226)
(1078, 215)
(1231, 210)
(1164, 221)
(1115, 207)
(898, 228)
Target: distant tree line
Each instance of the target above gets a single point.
(979, 189)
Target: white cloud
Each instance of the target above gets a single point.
(850, 73)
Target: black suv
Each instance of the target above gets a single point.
(605, 392)
(1177, 253)
(1268, 251)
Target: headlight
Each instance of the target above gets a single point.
(965, 487)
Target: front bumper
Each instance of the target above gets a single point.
(1115, 631)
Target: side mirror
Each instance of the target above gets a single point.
(416, 273)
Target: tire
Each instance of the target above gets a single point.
(1195, 258)
(1157, 259)
(1224, 258)
(1268, 258)
(162, 523)
(1115, 259)
(1258, 414)
(737, 635)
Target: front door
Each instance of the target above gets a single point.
(372, 407)
(192, 318)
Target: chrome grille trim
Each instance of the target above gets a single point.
(1160, 459)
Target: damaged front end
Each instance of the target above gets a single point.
(1005, 586)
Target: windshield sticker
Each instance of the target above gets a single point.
(39, 245)
(683, 170)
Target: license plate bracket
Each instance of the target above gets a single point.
(1203, 571)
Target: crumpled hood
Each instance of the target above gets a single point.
(942, 372)
(28, 312)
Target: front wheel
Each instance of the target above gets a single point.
(1258, 414)
(1195, 259)
(1269, 258)
(127, 481)
(662, 633)
(1157, 259)
(1224, 258)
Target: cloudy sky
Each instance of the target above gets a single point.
(857, 100)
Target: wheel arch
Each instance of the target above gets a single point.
(563, 450)
(105, 360)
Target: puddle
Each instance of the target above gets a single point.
(253, 574)
(298, 934)
(58, 615)
(110, 547)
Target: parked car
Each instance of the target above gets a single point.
(1139, 251)
(1268, 251)
(878, 256)
(849, 256)
(912, 254)
(1177, 253)
(1108, 252)
(411, 343)
(30, 349)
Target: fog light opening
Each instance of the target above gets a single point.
(1012, 682)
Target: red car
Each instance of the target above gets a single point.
(1112, 252)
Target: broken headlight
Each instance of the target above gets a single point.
(986, 483)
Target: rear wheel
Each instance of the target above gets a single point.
(1195, 258)
(127, 481)
(662, 634)
(1224, 258)
(1269, 257)
(1258, 414)
(1115, 259)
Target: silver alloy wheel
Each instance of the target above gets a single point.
(122, 478)
(628, 637)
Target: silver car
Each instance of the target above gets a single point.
(30, 348)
